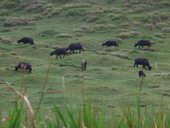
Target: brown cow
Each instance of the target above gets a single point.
(24, 66)
(83, 64)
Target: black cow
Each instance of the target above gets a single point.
(141, 73)
(83, 64)
(26, 40)
(142, 61)
(110, 43)
(75, 46)
(59, 52)
(143, 43)
(24, 66)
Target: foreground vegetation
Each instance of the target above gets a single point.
(23, 115)
(112, 84)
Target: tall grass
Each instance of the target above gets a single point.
(16, 117)
(44, 88)
(86, 117)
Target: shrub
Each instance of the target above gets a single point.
(5, 40)
(33, 7)
(157, 17)
(166, 29)
(160, 25)
(77, 12)
(48, 32)
(3, 12)
(10, 4)
(64, 35)
(125, 35)
(140, 9)
(18, 21)
(91, 18)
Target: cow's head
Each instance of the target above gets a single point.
(19, 41)
(16, 68)
(150, 68)
(135, 45)
(52, 53)
(103, 44)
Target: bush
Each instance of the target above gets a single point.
(125, 35)
(48, 33)
(64, 35)
(77, 12)
(166, 29)
(5, 40)
(3, 12)
(10, 4)
(18, 21)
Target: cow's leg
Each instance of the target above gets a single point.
(28, 71)
(145, 67)
(63, 55)
(85, 66)
(60, 56)
(134, 65)
(56, 56)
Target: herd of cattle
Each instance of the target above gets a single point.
(61, 52)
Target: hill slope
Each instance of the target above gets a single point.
(111, 79)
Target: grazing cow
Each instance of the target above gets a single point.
(75, 46)
(142, 61)
(24, 66)
(110, 43)
(141, 73)
(83, 64)
(59, 52)
(143, 43)
(26, 40)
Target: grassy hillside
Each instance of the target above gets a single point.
(111, 80)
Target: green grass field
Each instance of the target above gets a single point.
(111, 81)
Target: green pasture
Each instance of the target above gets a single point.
(111, 81)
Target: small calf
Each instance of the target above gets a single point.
(141, 74)
(83, 64)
